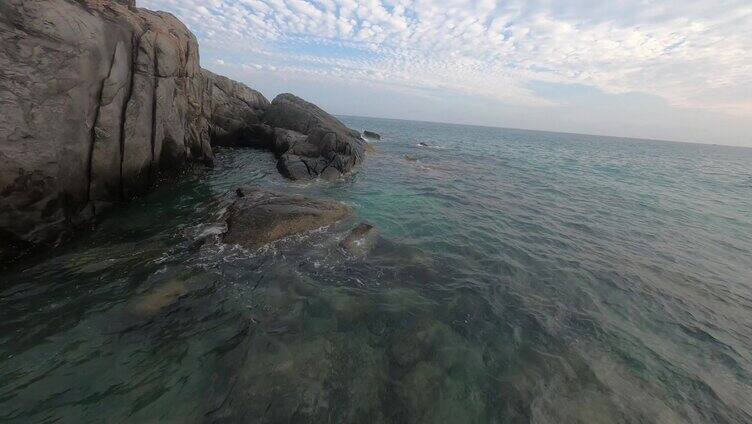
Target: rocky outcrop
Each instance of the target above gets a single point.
(308, 142)
(372, 135)
(259, 217)
(292, 112)
(329, 148)
(236, 111)
(360, 240)
(99, 99)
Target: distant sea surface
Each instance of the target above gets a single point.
(519, 276)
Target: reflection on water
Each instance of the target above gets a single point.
(517, 277)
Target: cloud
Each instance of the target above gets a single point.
(690, 53)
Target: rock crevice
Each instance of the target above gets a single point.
(309, 142)
(99, 99)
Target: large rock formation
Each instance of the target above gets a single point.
(329, 149)
(308, 142)
(235, 111)
(98, 99)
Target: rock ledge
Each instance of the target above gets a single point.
(259, 216)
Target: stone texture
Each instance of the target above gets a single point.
(360, 240)
(99, 99)
(235, 109)
(106, 156)
(259, 217)
(292, 112)
(371, 135)
(285, 139)
(330, 148)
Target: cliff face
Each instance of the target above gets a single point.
(98, 99)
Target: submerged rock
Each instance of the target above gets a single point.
(443, 374)
(410, 158)
(302, 379)
(159, 298)
(260, 217)
(360, 240)
(417, 342)
(372, 135)
(347, 305)
(419, 390)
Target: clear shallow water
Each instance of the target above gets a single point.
(520, 277)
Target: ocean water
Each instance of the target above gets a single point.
(518, 277)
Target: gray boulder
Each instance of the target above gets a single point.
(259, 217)
(99, 99)
(330, 148)
(372, 135)
(284, 140)
(235, 109)
(323, 154)
(360, 240)
(291, 112)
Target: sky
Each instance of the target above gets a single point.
(660, 69)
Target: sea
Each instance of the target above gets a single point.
(517, 277)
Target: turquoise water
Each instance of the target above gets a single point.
(519, 277)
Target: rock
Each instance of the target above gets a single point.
(410, 158)
(282, 384)
(411, 345)
(308, 142)
(444, 375)
(235, 109)
(257, 136)
(99, 99)
(158, 298)
(360, 240)
(337, 378)
(293, 113)
(325, 154)
(347, 305)
(418, 391)
(403, 301)
(286, 139)
(372, 135)
(106, 157)
(330, 148)
(260, 217)
(306, 358)
(422, 144)
(293, 167)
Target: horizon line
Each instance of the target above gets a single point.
(659, 140)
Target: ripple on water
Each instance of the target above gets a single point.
(518, 276)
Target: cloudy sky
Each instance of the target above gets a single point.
(678, 70)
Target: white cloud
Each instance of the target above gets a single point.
(691, 53)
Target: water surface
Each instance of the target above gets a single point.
(519, 277)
